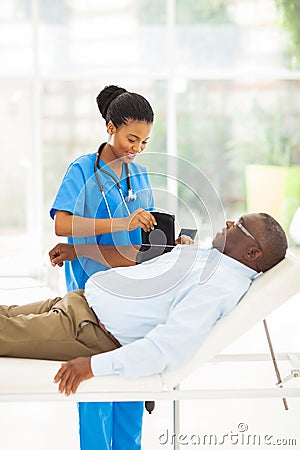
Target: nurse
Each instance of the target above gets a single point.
(105, 198)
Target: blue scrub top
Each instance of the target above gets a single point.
(80, 195)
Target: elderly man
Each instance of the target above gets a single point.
(141, 320)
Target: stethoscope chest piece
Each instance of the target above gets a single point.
(131, 197)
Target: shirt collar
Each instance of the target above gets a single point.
(214, 256)
(231, 262)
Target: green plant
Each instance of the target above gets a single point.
(290, 19)
(270, 138)
(276, 145)
(204, 11)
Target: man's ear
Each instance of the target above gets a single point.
(111, 129)
(253, 254)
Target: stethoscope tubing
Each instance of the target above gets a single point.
(130, 195)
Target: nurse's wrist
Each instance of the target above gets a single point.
(119, 224)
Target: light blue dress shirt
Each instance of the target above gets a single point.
(161, 310)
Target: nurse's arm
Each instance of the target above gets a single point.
(107, 255)
(69, 225)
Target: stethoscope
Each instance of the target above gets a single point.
(130, 195)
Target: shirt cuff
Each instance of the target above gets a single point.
(102, 364)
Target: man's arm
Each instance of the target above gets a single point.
(108, 255)
(72, 373)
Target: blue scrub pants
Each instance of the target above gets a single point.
(107, 426)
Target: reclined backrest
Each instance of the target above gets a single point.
(267, 292)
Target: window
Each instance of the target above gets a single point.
(220, 76)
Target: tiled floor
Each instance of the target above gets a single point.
(226, 424)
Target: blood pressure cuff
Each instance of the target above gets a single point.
(160, 240)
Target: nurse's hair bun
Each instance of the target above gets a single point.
(106, 96)
(119, 106)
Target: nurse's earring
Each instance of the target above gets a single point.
(111, 133)
(111, 139)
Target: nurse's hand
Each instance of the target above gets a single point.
(72, 373)
(62, 252)
(140, 219)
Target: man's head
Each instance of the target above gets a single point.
(256, 240)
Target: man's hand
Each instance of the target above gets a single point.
(183, 239)
(61, 253)
(72, 373)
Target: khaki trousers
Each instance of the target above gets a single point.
(52, 329)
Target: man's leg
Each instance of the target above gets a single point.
(29, 308)
(55, 333)
(127, 425)
(44, 336)
(95, 425)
